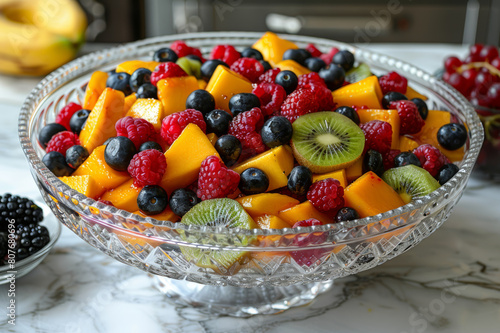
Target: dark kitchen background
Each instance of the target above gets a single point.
(411, 21)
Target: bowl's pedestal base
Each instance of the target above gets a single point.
(240, 302)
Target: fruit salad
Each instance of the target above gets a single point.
(271, 136)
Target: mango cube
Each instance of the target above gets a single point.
(291, 65)
(266, 203)
(302, 212)
(149, 109)
(273, 47)
(173, 92)
(365, 92)
(95, 87)
(131, 66)
(407, 143)
(226, 83)
(271, 222)
(124, 196)
(85, 184)
(339, 175)
(354, 171)
(129, 101)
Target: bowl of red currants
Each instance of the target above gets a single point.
(477, 77)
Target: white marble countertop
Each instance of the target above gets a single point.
(448, 283)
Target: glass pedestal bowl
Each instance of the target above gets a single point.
(270, 277)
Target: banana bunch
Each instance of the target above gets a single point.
(38, 36)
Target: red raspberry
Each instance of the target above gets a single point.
(271, 96)
(324, 97)
(312, 78)
(182, 50)
(246, 127)
(64, 116)
(166, 69)
(269, 76)
(62, 141)
(327, 57)
(298, 103)
(249, 68)
(313, 50)
(308, 257)
(226, 53)
(147, 167)
(215, 180)
(410, 119)
(431, 158)
(173, 125)
(136, 129)
(393, 82)
(326, 195)
(389, 157)
(378, 136)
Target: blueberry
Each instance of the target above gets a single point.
(139, 77)
(253, 181)
(243, 102)
(218, 122)
(276, 131)
(152, 199)
(108, 140)
(150, 145)
(299, 180)
(182, 200)
(119, 81)
(406, 158)
(452, 136)
(349, 113)
(315, 64)
(251, 53)
(267, 66)
(288, 80)
(76, 155)
(209, 66)
(118, 153)
(344, 59)
(48, 131)
(147, 90)
(165, 55)
(229, 149)
(373, 161)
(333, 75)
(392, 96)
(422, 107)
(201, 100)
(56, 163)
(346, 214)
(446, 172)
(78, 120)
(297, 55)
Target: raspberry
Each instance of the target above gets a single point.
(64, 116)
(324, 97)
(308, 257)
(378, 136)
(166, 69)
(173, 125)
(226, 53)
(269, 76)
(313, 50)
(298, 103)
(215, 180)
(431, 158)
(62, 141)
(147, 167)
(393, 82)
(249, 68)
(271, 96)
(246, 127)
(410, 119)
(327, 57)
(389, 158)
(326, 195)
(136, 129)
(182, 50)
(312, 78)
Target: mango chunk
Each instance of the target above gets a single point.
(166, 215)
(302, 212)
(85, 184)
(389, 116)
(184, 158)
(273, 47)
(95, 87)
(225, 83)
(407, 144)
(266, 203)
(369, 195)
(131, 66)
(124, 196)
(365, 92)
(412, 93)
(212, 137)
(340, 175)
(96, 167)
(173, 92)
(149, 109)
(277, 164)
(291, 65)
(129, 101)
(100, 124)
(202, 84)
(271, 222)
(354, 171)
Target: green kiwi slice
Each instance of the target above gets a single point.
(355, 74)
(226, 213)
(410, 181)
(326, 141)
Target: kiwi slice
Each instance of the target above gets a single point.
(410, 181)
(226, 213)
(362, 71)
(326, 141)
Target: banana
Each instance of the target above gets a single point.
(38, 36)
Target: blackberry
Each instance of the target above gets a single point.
(29, 239)
(22, 210)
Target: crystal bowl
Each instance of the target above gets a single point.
(268, 279)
